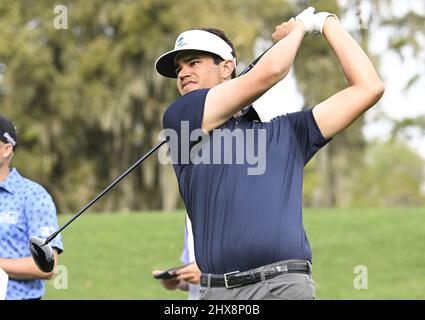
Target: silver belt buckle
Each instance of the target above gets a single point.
(225, 279)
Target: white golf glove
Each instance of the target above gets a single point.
(313, 22)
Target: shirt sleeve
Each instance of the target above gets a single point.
(307, 133)
(181, 119)
(41, 217)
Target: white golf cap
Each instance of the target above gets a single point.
(193, 40)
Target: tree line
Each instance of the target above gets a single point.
(88, 103)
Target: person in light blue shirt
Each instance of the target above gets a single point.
(26, 210)
(188, 276)
(188, 258)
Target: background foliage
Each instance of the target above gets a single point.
(88, 103)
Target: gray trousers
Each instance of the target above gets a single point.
(289, 286)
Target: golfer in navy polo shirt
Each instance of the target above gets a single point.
(241, 179)
(26, 209)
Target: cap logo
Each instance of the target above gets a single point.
(180, 42)
(9, 138)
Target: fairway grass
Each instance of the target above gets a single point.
(111, 256)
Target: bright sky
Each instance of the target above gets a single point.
(397, 103)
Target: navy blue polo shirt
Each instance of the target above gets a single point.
(243, 219)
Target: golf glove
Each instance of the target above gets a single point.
(313, 22)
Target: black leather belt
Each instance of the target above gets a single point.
(237, 279)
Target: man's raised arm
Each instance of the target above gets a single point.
(364, 89)
(226, 99)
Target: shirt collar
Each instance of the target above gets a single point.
(11, 180)
(246, 119)
(250, 114)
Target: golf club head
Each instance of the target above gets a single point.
(42, 254)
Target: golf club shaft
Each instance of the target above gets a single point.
(253, 63)
(53, 235)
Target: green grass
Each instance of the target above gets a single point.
(111, 256)
(389, 242)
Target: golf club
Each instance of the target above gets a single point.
(42, 252)
(253, 63)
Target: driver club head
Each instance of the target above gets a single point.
(42, 254)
